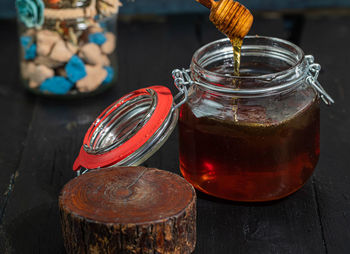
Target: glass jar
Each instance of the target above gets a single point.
(253, 137)
(67, 47)
(249, 138)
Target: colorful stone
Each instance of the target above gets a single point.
(56, 85)
(97, 38)
(110, 75)
(75, 69)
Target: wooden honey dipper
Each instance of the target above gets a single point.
(230, 17)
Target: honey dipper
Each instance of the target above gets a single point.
(230, 17)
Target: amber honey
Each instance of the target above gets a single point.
(236, 46)
(247, 161)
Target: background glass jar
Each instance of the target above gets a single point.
(67, 47)
(253, 137)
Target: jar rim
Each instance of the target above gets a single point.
(273, 39)
(298, 57)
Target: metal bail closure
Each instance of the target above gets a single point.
(182, 81)
(129, 131)
(311, 79)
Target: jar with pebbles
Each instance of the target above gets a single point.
(67, 46)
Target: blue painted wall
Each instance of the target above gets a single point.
(7, 9)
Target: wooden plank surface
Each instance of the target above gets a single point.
(329, 40)
(16, 110)
(48, 134)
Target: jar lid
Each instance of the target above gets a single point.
(130, 130)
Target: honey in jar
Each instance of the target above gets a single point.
(245, 161)
(253, 137)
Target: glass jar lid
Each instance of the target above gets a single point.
(130, 130)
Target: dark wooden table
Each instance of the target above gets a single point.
(40, 138)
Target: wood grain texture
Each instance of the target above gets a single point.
(328, 41)
(207, 3)
(16, 112)
(49, 134)
(231, 18)
(128, 210)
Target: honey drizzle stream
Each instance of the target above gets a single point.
(236, 46)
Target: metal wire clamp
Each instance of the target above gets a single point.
(182, 80)
(311, 79)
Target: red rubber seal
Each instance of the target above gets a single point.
(162, 110)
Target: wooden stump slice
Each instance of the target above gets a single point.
(128, 210)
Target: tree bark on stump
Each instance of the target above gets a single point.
(128, 210)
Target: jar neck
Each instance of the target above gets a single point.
(268, 66)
